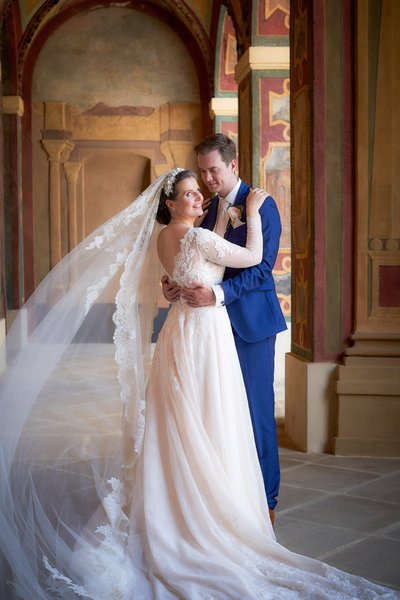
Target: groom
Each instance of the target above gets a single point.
(248, 294)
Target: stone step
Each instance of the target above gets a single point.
(379, 387)
(372, 361)
(365, 346)
(370, 372)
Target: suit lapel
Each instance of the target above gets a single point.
(211, 217)
(242, 195)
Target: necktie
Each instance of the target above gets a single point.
(222, 218)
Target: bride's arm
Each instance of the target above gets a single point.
(222, 252)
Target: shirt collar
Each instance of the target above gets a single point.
(231, 197)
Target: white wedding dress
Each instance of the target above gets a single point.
(198, 526)
(113, 491)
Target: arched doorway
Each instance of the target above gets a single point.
(62, 120)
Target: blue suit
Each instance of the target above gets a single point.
(256, 318)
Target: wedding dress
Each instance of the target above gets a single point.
(182, 512)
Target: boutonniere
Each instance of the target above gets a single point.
(234, 214)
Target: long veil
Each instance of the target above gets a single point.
(72, 398)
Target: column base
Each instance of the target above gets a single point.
(310, 404)
(361, 447)
(368, 390)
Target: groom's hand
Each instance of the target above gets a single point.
(201, 295)
(170, 290)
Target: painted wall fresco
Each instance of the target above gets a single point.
(28, 8)
(275, 161)
(225, 83)
(302, 205)
(108, 51)
(226, 57)
(275, 171)
(273, 17)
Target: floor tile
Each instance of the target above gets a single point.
(358, 514)
(325, 479)
(385, 489)
(361, 463)
(296, 455)
(393, 532)
(288, 463)
(290, 497)
(313, 541)
(375, 558)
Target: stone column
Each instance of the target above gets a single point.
(262, 74)
(56, 151)
(321, 215)
(259, 70)
(72, 171)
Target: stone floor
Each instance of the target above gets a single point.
(342, 510)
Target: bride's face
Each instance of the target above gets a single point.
(189, 200)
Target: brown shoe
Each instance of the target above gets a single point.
(272, 516)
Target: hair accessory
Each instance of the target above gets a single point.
(170, 180)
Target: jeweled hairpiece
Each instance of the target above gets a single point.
(170, 180)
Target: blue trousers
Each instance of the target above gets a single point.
(257, 363)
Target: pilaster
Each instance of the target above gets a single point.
(71, 172)
(57, 151)
(262, 75)
(322, 217)
(368, 385)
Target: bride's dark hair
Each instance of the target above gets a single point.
(163, 214)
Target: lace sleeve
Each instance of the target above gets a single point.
(218, 250)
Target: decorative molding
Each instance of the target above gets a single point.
(30, 32)
(4, 14)
(54, 149)
(390, 314)
(262, 58)
(224, 107)
(13, 105)
(72, 171)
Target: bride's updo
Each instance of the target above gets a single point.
(170, 192)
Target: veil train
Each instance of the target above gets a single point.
(72, 397)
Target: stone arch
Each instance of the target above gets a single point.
(173, 13)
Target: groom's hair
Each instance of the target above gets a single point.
(218, 141)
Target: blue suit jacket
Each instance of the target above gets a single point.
(250, 295)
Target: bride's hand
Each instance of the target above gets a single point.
(254, 201)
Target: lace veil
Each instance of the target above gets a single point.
(72, 396)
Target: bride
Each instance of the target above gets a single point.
(138, 478)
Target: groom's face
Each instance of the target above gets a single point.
(219, 177)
